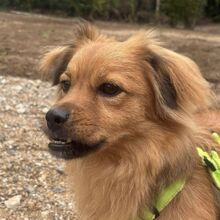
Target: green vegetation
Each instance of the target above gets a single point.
(186, 12)
(212, 9)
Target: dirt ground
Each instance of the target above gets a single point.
(23, 38)
(31, 181)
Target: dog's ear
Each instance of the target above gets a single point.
(166, 92)
(177, 83)
(55, 62)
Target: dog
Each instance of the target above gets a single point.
(127, 119)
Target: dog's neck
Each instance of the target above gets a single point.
(129, 174)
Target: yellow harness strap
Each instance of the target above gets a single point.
(163, 199)
(212, 161)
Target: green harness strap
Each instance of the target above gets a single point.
(212, 161)
(216, 137)
(163, 199)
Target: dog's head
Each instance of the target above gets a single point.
(110, 90)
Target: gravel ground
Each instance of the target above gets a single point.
(32, 183)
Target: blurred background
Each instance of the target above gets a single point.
(187, 12)
(32, 183)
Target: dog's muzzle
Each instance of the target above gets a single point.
(61, 146)
(73, 149)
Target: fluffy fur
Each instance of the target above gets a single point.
(151, 129)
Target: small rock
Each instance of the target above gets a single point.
(38, 82)
(20, 108)
(60, 170)
(30, 189)
(3, 81)
(61, 204)
(45, 110)
(58, 189)
(10, 143)
(2, 99)
(43, 177)
(45, 214)
(7, 107)
(2, 138)
(11, 152)
(13, 202)
(18, 88)
(2, 199)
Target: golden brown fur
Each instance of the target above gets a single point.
(152, 129)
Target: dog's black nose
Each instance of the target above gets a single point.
(56, 117)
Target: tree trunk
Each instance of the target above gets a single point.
(157, 10)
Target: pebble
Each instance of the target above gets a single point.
(58, 189)
(3, 81)
(2, 137)
(9, 143)
(45, 214)
(7, 107)
(60, 170)
(20, 108)
(30, 189)
(18, 88)
(45, 110)
(13, 202)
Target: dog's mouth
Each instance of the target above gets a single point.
(70, 149)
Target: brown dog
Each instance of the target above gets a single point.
(129, 117)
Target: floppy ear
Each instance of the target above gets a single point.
(55, 62)
(162, 83)
(177, 83)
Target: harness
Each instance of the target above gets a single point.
(210, 160)
(163, 199)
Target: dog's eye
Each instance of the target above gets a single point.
(109, 89)
(65, 85)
